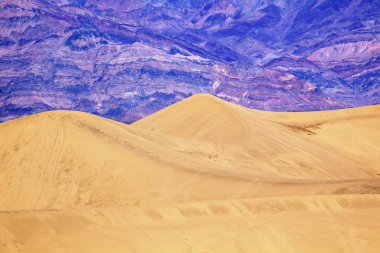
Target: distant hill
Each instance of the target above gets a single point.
(127, 59)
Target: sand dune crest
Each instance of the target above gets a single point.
(203, 175)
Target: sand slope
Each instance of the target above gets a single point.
(202, 175)
(346, 223)
(314, 145)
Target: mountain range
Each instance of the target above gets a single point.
(127, 59)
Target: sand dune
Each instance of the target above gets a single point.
(309, 146)
(348, 223)
(202, 175)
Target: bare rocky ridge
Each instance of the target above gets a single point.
(127, 59)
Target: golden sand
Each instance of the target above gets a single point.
(203, 175)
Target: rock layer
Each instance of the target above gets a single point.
(127, 59)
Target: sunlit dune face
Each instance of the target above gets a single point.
(191, 178)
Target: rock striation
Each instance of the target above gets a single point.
(126, 59)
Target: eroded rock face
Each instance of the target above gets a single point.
(126, 59)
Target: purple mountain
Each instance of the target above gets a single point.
(126, 59)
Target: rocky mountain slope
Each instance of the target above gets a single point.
(126, 59)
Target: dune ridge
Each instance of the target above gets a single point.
(179, 177)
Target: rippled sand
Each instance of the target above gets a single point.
(202, 175)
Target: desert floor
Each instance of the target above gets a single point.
(202, 175)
